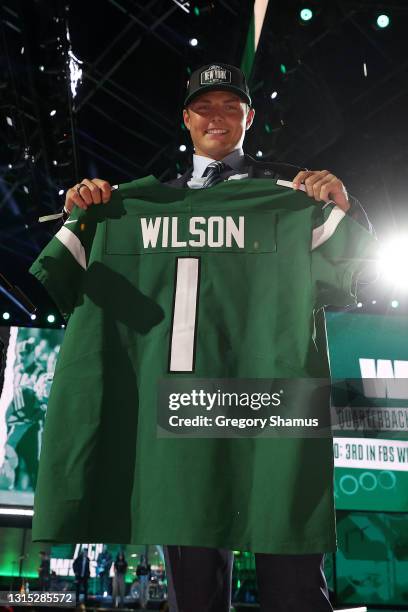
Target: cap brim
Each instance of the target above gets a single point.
(218, 87)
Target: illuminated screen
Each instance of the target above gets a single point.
(369, 359)
(19, 556)
(30, 356)
(371, 561)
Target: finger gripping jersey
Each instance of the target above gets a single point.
(164, 282)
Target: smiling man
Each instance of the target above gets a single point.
(293, 530)
(217, 121)
(217, 112)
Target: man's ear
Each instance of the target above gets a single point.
(186, 118)
(250, 118)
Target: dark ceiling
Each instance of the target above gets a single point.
(125, 120)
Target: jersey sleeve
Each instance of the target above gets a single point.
(62, 263)
(341, 250)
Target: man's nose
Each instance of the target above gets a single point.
(217, 115)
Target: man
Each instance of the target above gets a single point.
(44, 572)
(82, 572)
(218, 113)
(217, 116)
(103, 566)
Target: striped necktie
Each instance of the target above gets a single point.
(212, 174)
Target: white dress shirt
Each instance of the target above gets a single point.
(234, 160)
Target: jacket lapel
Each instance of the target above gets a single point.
(182, 180)
(249, 166)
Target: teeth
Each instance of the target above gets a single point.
(216, 131)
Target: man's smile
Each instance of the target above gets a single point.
(216, 132)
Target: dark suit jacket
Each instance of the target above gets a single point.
(77, 567)
(278, 170)
(254, 168)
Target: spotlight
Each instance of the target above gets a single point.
(9, 121)
(54, 161)
(6, 316)
(61, 192)
(374, 301)
(383, 21)
(10, 166)
(33, 317)
(51, 318)
(395, 303)
(182, 148)
(274, 95)
(259, 153)
(393, 262)
(283, 68)
(53, 112)
(359, 305)
(193, 42)
(41, 68)
(306, 14)
(25, 189)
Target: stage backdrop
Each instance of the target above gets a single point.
(369, 365)
(368, 360)
(31, 355)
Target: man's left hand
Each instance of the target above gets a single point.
(323, 186)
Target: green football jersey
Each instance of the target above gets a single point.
(165, 282)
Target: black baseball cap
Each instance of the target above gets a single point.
(217, 77)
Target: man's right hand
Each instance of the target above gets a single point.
(87, 192)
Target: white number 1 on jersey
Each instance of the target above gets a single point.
(184, 321)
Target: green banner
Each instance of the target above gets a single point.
(249, 51)
(369, 354)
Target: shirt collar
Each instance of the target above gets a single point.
(235, 160)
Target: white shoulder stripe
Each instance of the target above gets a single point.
(73, 244)
(237, 177)
(289, 184)
(322, 233)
